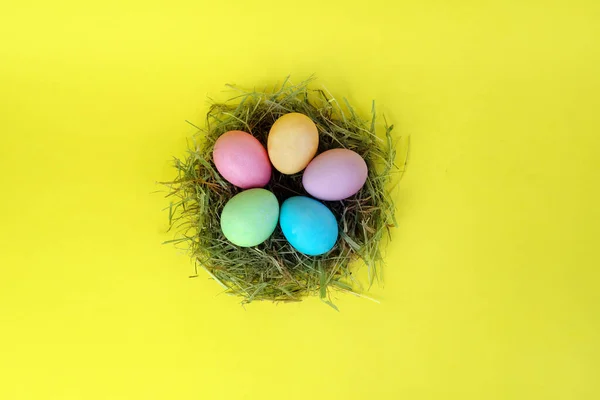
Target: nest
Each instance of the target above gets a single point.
(274, 270)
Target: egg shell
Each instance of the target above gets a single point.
(292, 143)
(250, 217)
(308, 225)
(335, 175)
(242, 160)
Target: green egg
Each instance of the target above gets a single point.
(250, 217)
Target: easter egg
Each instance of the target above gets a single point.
(250, 217)
(335, 175)
(292, 143)
(242, 160)
(308, 225)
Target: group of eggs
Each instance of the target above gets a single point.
(250, 217)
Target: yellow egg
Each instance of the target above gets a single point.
(293, 141)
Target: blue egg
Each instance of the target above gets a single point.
(308, 225)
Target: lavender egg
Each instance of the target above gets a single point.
(335, 175)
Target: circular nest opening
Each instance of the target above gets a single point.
(274, 270)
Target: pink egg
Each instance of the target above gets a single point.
(335, 175)
(242, 160)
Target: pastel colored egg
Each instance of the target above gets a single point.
(242, 160)
(292, 143)
(335, 175)
(250, 217)
(308, 225)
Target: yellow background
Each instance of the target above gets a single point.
(492, 284)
